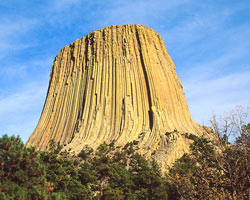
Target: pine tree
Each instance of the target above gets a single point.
(21, 172)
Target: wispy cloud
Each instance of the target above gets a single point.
(24, 72)
(197, 24)
(12, 72)
(206, 31)
(13, 27)
(22, 99)
(221, 94)
(12, 34)
(212, 60)
(20, 110)
(217, 85)
(208, 41)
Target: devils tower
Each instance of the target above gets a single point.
(117, 83)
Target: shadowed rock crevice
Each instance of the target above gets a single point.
(150, 114)
(117, 83)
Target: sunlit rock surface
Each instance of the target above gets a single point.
(117, 83)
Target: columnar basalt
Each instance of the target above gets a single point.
(117, 83)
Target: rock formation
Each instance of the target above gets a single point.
(117, 83)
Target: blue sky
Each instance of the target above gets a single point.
(209, 42)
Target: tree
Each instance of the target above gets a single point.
(64, 174)
(196, 175)
(22, 175)
(230, 124)
(121, 173)
(147, 178)
(209, 174)
(235, 161)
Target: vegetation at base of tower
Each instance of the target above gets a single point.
(107, 173)
(121, 173)
(22, 174)
(207, 174)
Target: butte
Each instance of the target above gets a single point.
(117, 84)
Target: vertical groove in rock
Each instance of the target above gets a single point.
(117, 83)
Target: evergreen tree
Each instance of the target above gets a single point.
(22, 175)
(64, 175)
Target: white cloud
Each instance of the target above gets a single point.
(211, 84)
(11, 72)
(220, 94)
(202, 26)
(13, 27)
(12, 32)
(215, 78)
(23, 70)
(22, 99)
(20, 110)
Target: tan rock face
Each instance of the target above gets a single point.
(117, 83)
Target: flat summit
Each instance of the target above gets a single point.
(117, 84)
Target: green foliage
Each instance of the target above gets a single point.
(116, 173)
(195, 175)
(236, 166)
(121, 173)
(107, 173)
(22, 175)
(206, 174)
(64, 176)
